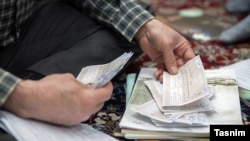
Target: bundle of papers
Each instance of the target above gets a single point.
(143, 118)
(181, 100)
(99, 75)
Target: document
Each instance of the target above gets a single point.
(156, 89)
(242, 70)
(31, 130)
(185, 87)
(151, 110)
(242, 73)
(99, 75)
(181, 100)
(139, 124)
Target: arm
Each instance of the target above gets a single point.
(55, 99)
(125, 16)
(164, 46)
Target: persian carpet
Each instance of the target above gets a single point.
(214, 54)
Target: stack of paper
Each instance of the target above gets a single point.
(144, 118)
(98, 75)
(182, 99)
(243, 74)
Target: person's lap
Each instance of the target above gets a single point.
(61, 39)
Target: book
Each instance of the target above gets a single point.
(225, 102)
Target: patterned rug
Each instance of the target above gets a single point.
(214, 54)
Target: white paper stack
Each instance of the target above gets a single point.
(182, 99)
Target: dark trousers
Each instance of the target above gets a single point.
(59, 38)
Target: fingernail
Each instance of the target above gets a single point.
(174, 70)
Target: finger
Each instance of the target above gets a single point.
(185, 51)
(109, 89)
(104, 93)
(170, 61)
(158, 73)
(161, 78)
(180, 62)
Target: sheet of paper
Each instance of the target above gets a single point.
(141, 95)
(99, 75)
(242, 70)
(151, 110)
(226, 105)
(31, 130)
(203, 104)
(185, 87)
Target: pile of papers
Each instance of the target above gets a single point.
(243, 74)
(99, 75)
(181, 100)
(184, 109)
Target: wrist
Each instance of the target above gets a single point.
(17, 102)
(144, 28)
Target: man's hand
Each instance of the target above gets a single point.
(167, 48)
(58, 99)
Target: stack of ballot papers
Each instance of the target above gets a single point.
(182, 99)
(183, 106)
(99, 75)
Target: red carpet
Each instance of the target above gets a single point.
(214, 53)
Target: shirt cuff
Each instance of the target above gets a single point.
(131, 17)
(8, 82)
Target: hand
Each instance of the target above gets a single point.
(167, 48)
(58, 99)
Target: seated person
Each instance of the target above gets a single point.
(44, 45)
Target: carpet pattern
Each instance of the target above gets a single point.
(214, 54)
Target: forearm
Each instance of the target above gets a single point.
(125, 16)
(49, 100)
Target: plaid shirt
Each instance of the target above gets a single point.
(126, 16)
(12, 17)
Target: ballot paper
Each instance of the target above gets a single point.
(144, 120)
(151, 110)
(186, 86)
(181, 100)
(99, 75)
(203, 104)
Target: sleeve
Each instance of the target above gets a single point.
(8, 83)
(125, 16)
